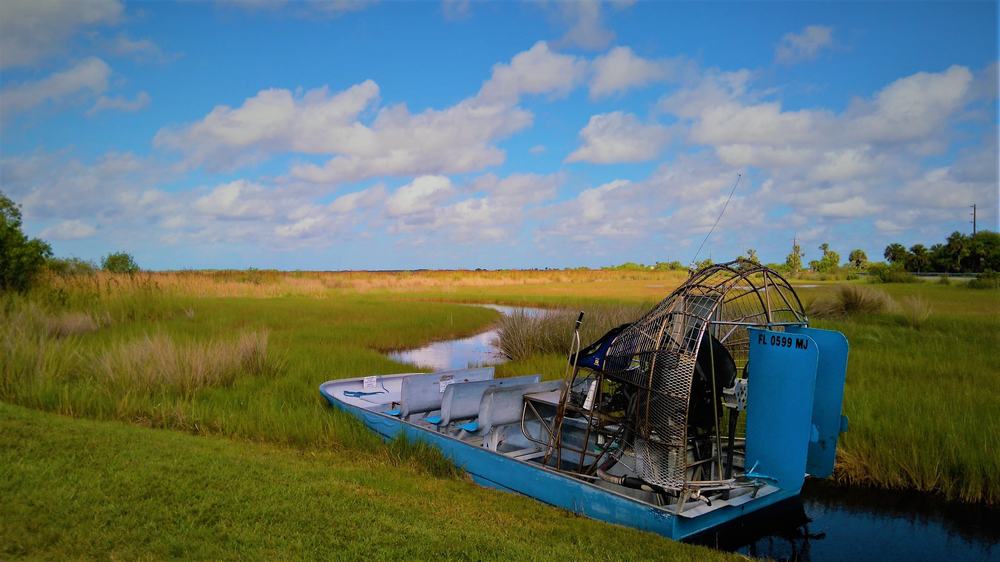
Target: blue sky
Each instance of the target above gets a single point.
(388, 135)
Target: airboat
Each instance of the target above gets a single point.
(716, 403)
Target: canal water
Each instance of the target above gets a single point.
(826, 523)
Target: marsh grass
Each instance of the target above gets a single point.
(155, 363)
(521, 335)
(849, 300)
(919, 400)
(915, 311)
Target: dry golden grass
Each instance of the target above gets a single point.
(157, 362)
(263, 284)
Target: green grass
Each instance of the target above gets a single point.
(78, 489)
(923, 406)
(314, 340)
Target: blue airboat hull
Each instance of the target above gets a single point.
(494, 470)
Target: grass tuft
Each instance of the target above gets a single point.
(915, 311)
(849, 300)
(520, 335)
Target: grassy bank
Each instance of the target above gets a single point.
(78, 489)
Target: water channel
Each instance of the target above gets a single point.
(826, 523)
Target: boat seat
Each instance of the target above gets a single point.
(461, 400)
(423, 393)
(503, 405)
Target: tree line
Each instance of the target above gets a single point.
(959, 253)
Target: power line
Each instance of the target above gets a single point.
(717, 219)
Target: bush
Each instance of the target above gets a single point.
(119, 262)
(851, 299)
(21, 258)
(985, 280)
(70, 266)
(882, 273)
(944, 279)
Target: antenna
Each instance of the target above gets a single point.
(717, 219)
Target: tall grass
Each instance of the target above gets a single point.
(521, 335)
(915, 311)
(848, 300)
(156, 363)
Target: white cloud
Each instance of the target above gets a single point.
(120, 103)
(89, 76)
(454, 10)
(537, 149)
(456, 139)
(619, 137)
(497, 216)
(912, 107)
(620, 69)
(803, 46)
(420, 195)
(586, 21)
(315, 10)
(32, 30)
(238, 199)
(539, 70)
(68, 230)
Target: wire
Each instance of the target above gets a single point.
(717, 219)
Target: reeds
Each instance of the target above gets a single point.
(521, 335)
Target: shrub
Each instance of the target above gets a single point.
(915, 311)
(70, 266)
(848, 300)
(21, 258)
(944, 279)
(882, 273)
(985, 280)
(119, 262)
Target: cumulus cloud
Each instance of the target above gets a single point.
(496, 211)
(841, 166)
(539, 70)
(805, 45)
(120, 103)
(89, 76)
(419, 196)
(32, 30)
(619, 137)
(456, 139)
(68, 230)
(620, 69)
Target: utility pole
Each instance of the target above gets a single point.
(973, 219)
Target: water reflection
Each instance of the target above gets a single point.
(833, 523)
(477, 350)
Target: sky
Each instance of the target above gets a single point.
(401, 135)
